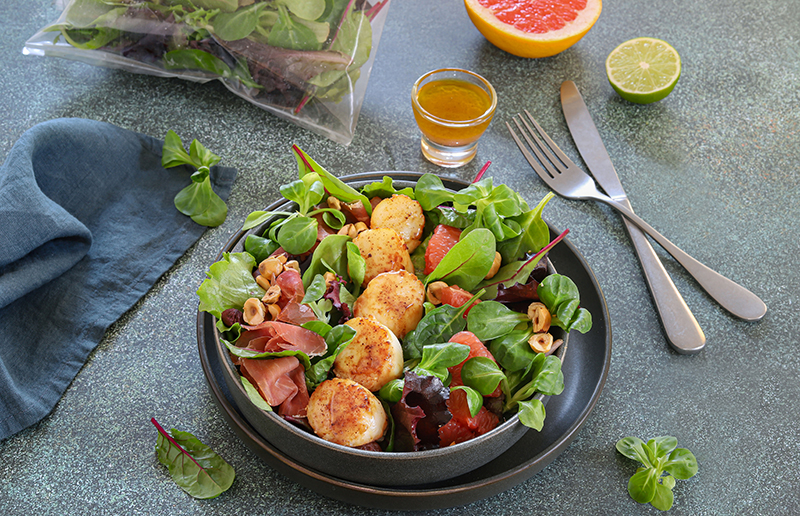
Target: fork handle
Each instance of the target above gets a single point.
(681, 328)
(730, 295)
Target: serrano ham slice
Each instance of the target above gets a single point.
(281, 382)
(279, 336)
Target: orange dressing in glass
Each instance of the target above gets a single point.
(455, 101)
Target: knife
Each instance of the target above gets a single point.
(683, 332)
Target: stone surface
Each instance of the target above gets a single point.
(714, 167)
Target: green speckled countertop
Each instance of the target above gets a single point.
(715, 167)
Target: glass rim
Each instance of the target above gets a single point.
(455, 123)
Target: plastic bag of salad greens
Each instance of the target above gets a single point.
(304, 60)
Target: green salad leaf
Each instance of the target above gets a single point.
(195, 467)
(229, 284)
(663, 462)
(198, 200)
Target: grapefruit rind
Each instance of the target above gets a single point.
(524, 44)
(666, 75)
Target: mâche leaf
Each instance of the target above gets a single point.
(663, 463)
(198, 200)
(195, 467)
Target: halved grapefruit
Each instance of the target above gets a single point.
(533, 28)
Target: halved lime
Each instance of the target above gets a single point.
(643, 70)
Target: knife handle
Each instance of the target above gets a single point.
(730, 295)
(683, 332)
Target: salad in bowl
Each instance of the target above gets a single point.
(391, 317)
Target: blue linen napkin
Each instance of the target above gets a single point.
(87, 226)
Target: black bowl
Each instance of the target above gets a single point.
(370, 467)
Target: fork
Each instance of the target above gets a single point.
(568, 180)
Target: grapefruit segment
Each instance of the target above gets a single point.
(533, 28)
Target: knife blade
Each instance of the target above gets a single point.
(682, 330)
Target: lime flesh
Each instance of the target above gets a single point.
(643, 70)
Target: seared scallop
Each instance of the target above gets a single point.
(394, 299)
(373, 358)
(383, 250)
(404, 215)
(343, 412)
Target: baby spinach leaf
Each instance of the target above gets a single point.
(254, 395)
(392, 392)
(532, 414)
(330, 255)
(261, 248)
(467, 262)
(474, 399)
(356, 266)
(337, 339)
(319, 327)
(315, 290)
(436, 358)
(254, 353)
(195, 467)
(229, 284)
(534, 233)
(512, 350)
(451, 217)
(482, 374)
(490, 320)
(438, 325)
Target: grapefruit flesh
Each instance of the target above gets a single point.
(533, 28)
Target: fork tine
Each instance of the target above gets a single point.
(551, 144)
(540, 149)
(525, 152)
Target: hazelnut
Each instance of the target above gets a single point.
(539, 316)
(270, 268)
(348, 230)
(495, 265)
(274, 311)
(541, 342)
(434, 294)
(334, 203)
(262, 282)
(272, 296)
(291, 264)
(253, 311)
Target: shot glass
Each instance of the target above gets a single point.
(453, 108)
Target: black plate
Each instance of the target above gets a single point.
(585, 371)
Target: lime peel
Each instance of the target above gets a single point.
(643, 70)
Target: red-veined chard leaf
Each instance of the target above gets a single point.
(467, 262)
(195, 467)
